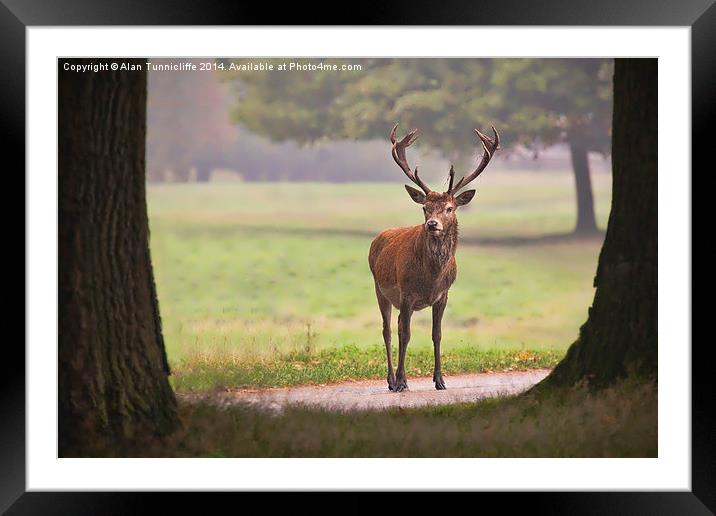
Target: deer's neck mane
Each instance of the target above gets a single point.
(437, 251)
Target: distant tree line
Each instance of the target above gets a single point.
(256, 122)
(190, 133)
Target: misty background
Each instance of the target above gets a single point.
(222, 125)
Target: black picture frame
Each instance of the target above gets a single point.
(17, 15)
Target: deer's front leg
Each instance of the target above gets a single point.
(438, 310)
(406, 312)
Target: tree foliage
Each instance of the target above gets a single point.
(533, 102)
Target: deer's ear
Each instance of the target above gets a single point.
(465, 197)
(415, 194)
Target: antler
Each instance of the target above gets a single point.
(489, 147)
(399, 156)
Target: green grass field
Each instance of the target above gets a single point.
(268, 283)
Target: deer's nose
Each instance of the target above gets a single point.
(432, 224)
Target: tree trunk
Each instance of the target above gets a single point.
(586, 223)
(620, 335)
(113, 386)
(203, 173)
(181, 173)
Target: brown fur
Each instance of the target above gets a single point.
(413, 268)
(410, 265)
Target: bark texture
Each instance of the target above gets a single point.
(620, 335)
(113, 385)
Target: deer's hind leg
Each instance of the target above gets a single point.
(385, 311)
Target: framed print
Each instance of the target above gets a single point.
(229, 290)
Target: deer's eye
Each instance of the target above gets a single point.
(449, 209)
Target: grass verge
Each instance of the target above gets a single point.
(216, 371)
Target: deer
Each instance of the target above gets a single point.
(414, 267)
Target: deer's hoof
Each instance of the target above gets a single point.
(439, 382)
(392, 383)
(401, 385)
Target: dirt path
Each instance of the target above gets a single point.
(374, 394)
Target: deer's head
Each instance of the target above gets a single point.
(440, 208)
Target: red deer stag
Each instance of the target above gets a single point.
(414, 267)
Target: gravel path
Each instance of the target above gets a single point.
(374, 394)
